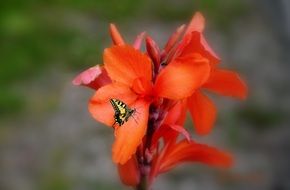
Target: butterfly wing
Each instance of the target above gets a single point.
(121, 111)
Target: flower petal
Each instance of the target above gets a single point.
(124, 64)
(153, 52)
(198, 44)
(181, 130)
(138, 41)
(203, 112)
(181, 78)
(185, 151)
(94, 77)
(227, 83)
(197, 23)
(129, 172)
(142, 87)
(115, 35)
(169, 133)
(177, 114)
(100, 107)
(172, 125)
(173, 39)
(129, 136)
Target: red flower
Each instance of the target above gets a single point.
(131, 74)
(161, 84)
(175, 152)
(220, 81)
(178, 152)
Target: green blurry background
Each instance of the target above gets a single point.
(48, 141)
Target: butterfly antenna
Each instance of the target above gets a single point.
(135, 109)
(135, 119)
(113, 126)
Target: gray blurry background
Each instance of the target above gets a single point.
(48, 141)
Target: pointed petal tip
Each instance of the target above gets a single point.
(138, 41)
(227, 83)
(94, 77)
(76, 82)
(87, 76)
(199, 15)
(115, 35)
(173, 39)
(181, 28)
(197, 23)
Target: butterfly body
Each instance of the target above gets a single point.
(122, 111)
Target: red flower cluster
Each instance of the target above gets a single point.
(161, 84)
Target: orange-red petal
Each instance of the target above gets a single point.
(153, 52)
(182, 77)
(203, 112)
(138, 41)
(173, 39)
(124, 64)
(197, 23)
(100, 107)
(172, 124)
(227, 83)
(169, 133)
(177, 114)
(198, 44)
(129, 172)
(141, 86)
(94, 77)
(115, 35)
(181, 130)
(129, 136)
(185, 151)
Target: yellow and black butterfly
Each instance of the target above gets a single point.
(122, 111)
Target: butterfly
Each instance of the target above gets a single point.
(122, 111)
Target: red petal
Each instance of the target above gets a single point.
(124, 64)
(177, 114)
(203, 112)
(141, 86)
(227, 83)
(153, 52)
(115, 35)
(172, 125)
(181, 130)
(197, 23)
(173, 38)
(198, 44)
(169, 133)
(182, 117)
(177, 50)
(94, 77)
(158, 134)
(129, 172)
(181, 78)
(185, 151)
(100, 107)
(129, 136)
(138, 42)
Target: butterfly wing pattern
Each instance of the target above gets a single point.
(122, 111)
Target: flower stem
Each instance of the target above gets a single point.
(143, 185)
(144, 156)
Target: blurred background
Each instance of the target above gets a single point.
(48, 141)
